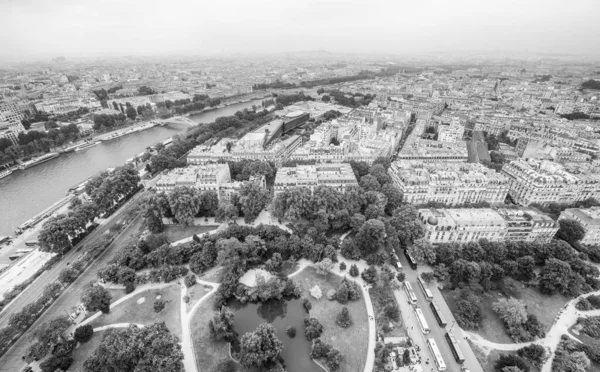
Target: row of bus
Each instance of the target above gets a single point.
(454, 347)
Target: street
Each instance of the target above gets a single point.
(437, 332)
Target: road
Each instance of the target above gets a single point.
(437, 332)
(11, 361)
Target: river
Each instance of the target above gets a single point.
(26, 193)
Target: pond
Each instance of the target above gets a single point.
(281, 314)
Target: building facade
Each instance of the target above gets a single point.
(467, 225)
(336, 175)
(448, 183)
(589, 218)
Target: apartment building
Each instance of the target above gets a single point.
(544, 182)
(466, 225)
(201, 177)
(337, 175)
(448, 183)
(589, 218)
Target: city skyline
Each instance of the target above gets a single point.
(106, 28)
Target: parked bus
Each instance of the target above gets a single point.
(437, 356)
(437, 312)
(411, 261)
(426, 291)
(422, 322)
(32, 243)
(412, 298)
(455, 348)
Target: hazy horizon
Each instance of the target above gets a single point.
(36, 29)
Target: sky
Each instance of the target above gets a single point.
(33, 29)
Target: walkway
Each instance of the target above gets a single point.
(565, 319)
(187, 344)
(117, 325)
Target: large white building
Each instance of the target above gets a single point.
(589, 218)
(545, 182)
(201, 177)
(337, 175)
(466, 225)
(448, 183)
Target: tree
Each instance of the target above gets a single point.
(406, 357)
(96, 297)
(469, 310)
(511, 311)
(509, 360)
(354, 270)
(343, 318)
(428, 276)
(260, 348)
(422, 251)
(394, 197)
(221, 325)
(555, 277)
(334, 359)
(312, 328)
(131, 113)
(326, 98)
(370, 237)
(570, 230)
(534, 352)
(226, 213)
(409, 227)
(84, 333)
(185, 204)
(253, 199)
(68, 275)
(316, 292)
(342, 266)
(151, 348)
(369, 275)
(401, 276)
(324, 266)
(369, 183)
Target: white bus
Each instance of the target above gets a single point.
(426, 291)
(422, 322)
(437, 356)
(412, 298)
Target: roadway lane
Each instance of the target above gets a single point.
(12, 361)
(437, 332)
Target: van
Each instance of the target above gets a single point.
(398, 265)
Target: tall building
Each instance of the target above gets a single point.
(448, 183)
(466, 225)
(589, 218)
(545, 182)
(336, 175)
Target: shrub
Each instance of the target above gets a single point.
(428, 276)
(186, 299)
(354, 270)
(401, 276)
(84, 333)
(225, 365)
(509, 360)
(316, 292)
(291, 331)
(331, 294)
(343, 318)
(342, 266)
(307, 305)
(159, 305)
(189, 280)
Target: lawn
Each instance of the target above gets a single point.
(130, 311)
(213, 275)
(377, 295)
(545, 307)
(208, 352)
(196, 292)
(116, 293)
(352, 342)
(178, 232)
(83, 351)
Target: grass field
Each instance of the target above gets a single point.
(178, 232)
(83, 351)
(213, 275)
(208, 352)
(352, 342)
(130, 311)
(196, 292)
(544, 307)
